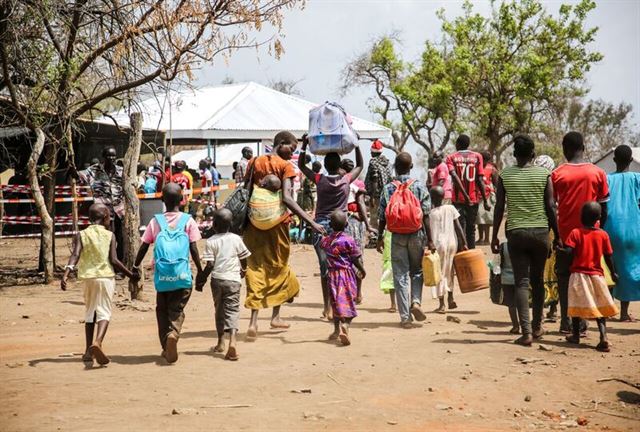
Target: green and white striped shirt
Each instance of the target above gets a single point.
(525, 196)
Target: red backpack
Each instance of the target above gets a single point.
(403, 212)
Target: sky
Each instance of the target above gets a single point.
(320, 39)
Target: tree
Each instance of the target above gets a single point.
(285, 86)
(604, 125)
(65, 60)
(415, 102)
(517, 63)
(494, 76)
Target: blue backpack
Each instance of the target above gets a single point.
(151, 184)
(171, 256)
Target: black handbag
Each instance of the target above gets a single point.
(238, 204)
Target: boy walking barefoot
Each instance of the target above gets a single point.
(226, 258)
(94, 252)
(175, 235)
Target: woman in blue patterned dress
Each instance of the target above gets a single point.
(343, 254)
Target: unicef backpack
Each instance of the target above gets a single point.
(330, 130)
(171, 256)
(403, 212)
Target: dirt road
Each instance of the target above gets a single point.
(444, 376)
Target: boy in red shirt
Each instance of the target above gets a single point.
(574, 183)
(467, 172)
(589, 295)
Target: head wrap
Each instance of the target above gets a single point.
(545, 161)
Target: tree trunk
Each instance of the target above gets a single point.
(131, 227)
(49, 186)
(46, 222)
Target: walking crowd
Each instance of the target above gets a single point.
(572, 238)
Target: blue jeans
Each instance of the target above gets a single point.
(317, 238)
(406, 262)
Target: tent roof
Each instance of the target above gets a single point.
(606, 162)
(247, 111)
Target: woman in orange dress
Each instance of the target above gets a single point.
(270, 280)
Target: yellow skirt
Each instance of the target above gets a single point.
(270, 280)
(589, 297)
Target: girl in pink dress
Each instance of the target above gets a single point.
(343, 254)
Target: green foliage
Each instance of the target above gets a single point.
(514, 64)
(493, 76)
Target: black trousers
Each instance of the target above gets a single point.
(468, 217)
(170, 312)
(528, 249)
(117, 227)
(563, 262)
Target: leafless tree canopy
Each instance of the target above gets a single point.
(73, 58)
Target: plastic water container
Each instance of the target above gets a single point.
(471, 270)
(330, 130)
(431, 269)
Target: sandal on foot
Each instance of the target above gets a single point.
(628, 319)
(538, 333)
(99, 355)
(232, 354)
(171, 348)
(515, 330)
(334, 336)
(440, 311)
(453, 305)
(524, 340)
(392, 310)
(282, 325)
(417, 313)
(573, 339)
(603, 346)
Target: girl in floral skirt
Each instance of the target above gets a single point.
(343, 254)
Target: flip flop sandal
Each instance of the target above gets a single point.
(281, 326)
(171, 349)
(392, 310)
(417, 313)
(572, 339)
(232, 355)
(99, 355)
(603, 347)
(453, 305)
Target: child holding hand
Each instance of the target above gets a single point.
(343, 254)
(94, 252)
(589, 295)
(226, 258)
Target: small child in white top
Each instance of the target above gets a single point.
(226, 258)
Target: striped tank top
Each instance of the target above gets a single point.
(525, 196)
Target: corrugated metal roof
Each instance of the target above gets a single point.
(237, 111)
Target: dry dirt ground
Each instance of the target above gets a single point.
(444, 376)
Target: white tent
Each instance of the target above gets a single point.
(225, 157)
(237, 112)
